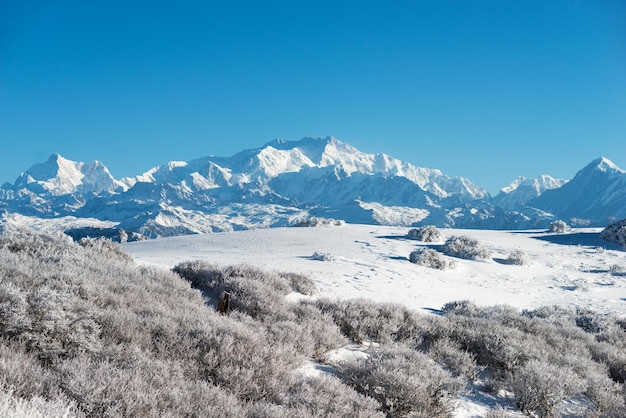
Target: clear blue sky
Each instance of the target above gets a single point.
(487, 90)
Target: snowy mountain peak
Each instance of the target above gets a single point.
(59, 176)
(605, 165)
(596, 192)
(283, 180)
(318, 150)
(539, 184)
(348, 160)
(522, 190)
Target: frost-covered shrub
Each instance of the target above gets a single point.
(320, 327)
(250, 363)
(606, 395)
(363, 319)
(497, 346)
(615, 232)
(462, 307)
(405, 382)
(428, 233)
(465, 247)
(28, 243)
(518, 258)
(22, 373)
(614, 357)
(253, 291)
(590, 321)
(321, 256)
(36, 407)
(540, 385)
(106, 246)
(140, 389)
(316, 222)
(581, 345)
(617, 270)
(300, 283)
(559, 227)
(430, 258)
(81, 326)
(458, 361)
(327, 396)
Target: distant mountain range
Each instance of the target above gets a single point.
(285, 181)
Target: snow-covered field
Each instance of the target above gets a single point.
(571, 269)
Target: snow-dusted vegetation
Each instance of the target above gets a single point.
(322, 256)
(430, 258)
(428, 233)
(615, 232)
(316, 222)
(465, 247)
(87, 332)
(559, 227)
(518, 258)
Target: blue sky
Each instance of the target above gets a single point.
(488, 90)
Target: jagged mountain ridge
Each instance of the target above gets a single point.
(522, 190)
(59, 176)
(278, 183)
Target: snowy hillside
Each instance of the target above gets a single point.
(572, 269)
(283, 181)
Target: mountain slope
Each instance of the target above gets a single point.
(523, 190)
(59, 176)
(596, 195)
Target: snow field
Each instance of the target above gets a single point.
(572, 269)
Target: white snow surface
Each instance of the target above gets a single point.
(52, 226)
(569, 269)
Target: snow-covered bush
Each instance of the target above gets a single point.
(36, 407)
(559, 227)
(540, 385)
(319, 326)
(363, 319)
(300, 283)
(315, 222)
(458, 361)
(253, 291)
(108, 247)
(428, 233)
(328, 396)
(617, 270)
(25, 241)
(321, 256)
(430, 258)
(404, 381)
(465, 247)
(615, 232)
(518, 258)
(461, 307)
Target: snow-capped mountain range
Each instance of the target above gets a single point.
(284, 181)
